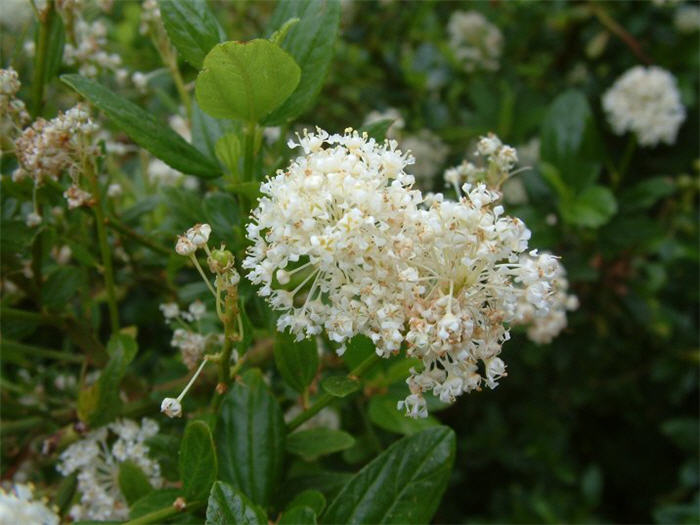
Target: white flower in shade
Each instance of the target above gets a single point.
(687, 18)
(184, 246)
(87, 49)
(140, 81)
(169, 310)
(97, 457)
(646, 102)
(326, 418)
(114, 190)
(160, 173)
(199, 235)
(171, 407)
(430, 153)
(18, 505)
(190, 344)
(475, 42)
(197, 310)
(33, 220)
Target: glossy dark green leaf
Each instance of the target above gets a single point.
(192, 27)
(403, 484)
(133, 483)
(311, 42)
(384, 414)
(153, 501)
(315, 442)
(145, 129)
(228, 505)
(250, 438)
(297, 361)
(198, 465)
(340, 386)
(377, 130)
(245, 80)
(592, 208)
(570, 140)
(309, 498)
(298, 516)
(61, 286)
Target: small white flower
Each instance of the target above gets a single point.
(197, 309)
(18, 505)
(199, 234)
(171, 407)
(33, 219)
(169, 310)
(184, 246)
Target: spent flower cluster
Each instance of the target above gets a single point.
(342, 242)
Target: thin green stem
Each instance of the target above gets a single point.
(40, 58)
(114, 223)
(105, 252)
(204, 276)
(326, 399)
(159, 516)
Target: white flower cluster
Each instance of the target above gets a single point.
(186, 338)
(88, 51)
(12, 109)
(342, 243)
(645, 101)
(48, 148)
(19, 506)
(97, 463)
(475, 42)
(687, 18)
(499, 160)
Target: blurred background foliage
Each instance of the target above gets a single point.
(599, 426)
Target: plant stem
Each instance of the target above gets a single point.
(125, 230)
(104, 248)
(249, 158)
(40, 59)
(37, 351)
(326, 399)
(611, 25)
(159, 516)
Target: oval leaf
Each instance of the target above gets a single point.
(310, 42)
(316, 442)
(245, 80)
(298, 516)
(250, 438)
(340, 386)
(297, 361)
(133, 482)
(192, 28)
(592, 208)
(228, 505)
(309, 498)
(197, 461)
(145, 129)
(403, 484)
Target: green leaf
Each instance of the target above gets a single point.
(309, 498)
(54, 50)
(133, 483)
(297, 361)
(592, 208)
(228, 151)
(403, 484)
(570, 140)
(192, 27)
(228, 505)
(311, 43)
(340, 386)
(645, 194)
(61, 286)
(101, 403)
(145, 129)
(315, 442)
(65, 492)
(384, 414)
(250, 438)
(153, 501)
(298, 516)
(377, 130)
(245, 80)
(197, 461)
(207, 131)
(250, 190)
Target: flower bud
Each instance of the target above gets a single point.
(185, 246)
(171, 407)
(199, 234)
(221, 260)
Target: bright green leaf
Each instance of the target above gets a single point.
(197, 461)
(245, 80)
(227, 505)
(250, 438)
(340, 386)
(315, 442)
(228, 151)
(297, 361)
(133, 483)
(403, 484)
(311, 43)
(192, 27)
(145, 129)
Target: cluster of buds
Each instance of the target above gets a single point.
(499, 161)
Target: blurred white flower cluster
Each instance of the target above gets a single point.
(18, 505)
(187, 337)
(646, 102)
(13, 111)
(341, 242)
(475, 42)
(97, 458)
